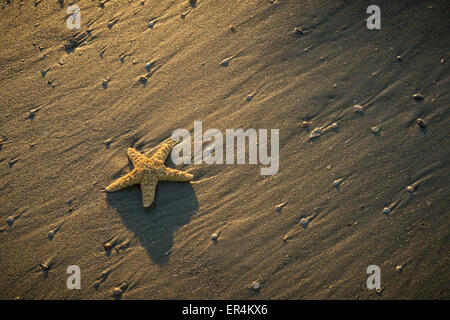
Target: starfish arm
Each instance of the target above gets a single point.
(164, 151)
(135, 156)
(123, 182)
(170, 174)
(148, 190)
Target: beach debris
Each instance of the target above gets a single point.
(256, 285)
(421, 123)
(410, 189)
(358, 108)
(151, 24)
(117, 291)
(10, 220)
(386, 210)
(399, 268)
(375, 129)
(51, 234)
(249, 97)
(105, 83)
(280, 206)
(315, 133)
(399, 58)
(337, 182)
(418, 97)
(108, 246)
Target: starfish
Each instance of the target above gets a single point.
(148, 172)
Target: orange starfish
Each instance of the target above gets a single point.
(148, 172)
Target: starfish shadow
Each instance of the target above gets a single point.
(174, 205)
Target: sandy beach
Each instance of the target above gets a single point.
(363, 177)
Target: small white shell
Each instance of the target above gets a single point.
(10, 220)
(410, 189)
(256, 285)
(214, 236)
(387, 210)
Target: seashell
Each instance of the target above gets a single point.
(315, 133)
(214, 236)
(255, 285)
(337, 182)
(421, 123)
(117, 291)
(108, 246)
(304, 222)
(410, 189)
(387, 210)
(304, 124)
(418, 97)
(375, 129)
(278, 207)
(358, 108)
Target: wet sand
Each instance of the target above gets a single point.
(73, 101)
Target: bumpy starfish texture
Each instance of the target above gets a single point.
(148, 172)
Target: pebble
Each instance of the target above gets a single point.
(399, 268)
(10, 220)
(256, 285)
(249, 97)
(387, 210)
(298, 31)
(117, 291)
(45, 266)
(358, 108)
(105, 83)
(107, 246)
(410, 189)
(375, 129)
(278, 207)
(214, 236)
(418, 97)
(225, 62)
(337, 182)
(51, 234)
(315, 133)
(151, 24)
(421, 123)
(304, 222)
